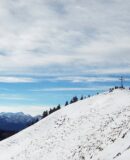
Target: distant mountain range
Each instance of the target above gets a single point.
(11, 123)
(15, 121)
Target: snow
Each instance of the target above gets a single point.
(120, 150)
(97, 128)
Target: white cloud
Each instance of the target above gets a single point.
(32, 110)
(7, 79)
(64, 36)
(13, 97)
(86, 79)
(77, 79)
(71, 89)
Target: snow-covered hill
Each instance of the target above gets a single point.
(97, 128)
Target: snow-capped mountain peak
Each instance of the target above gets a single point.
(14, 121)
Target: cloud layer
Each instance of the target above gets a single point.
(64, 37)
(32, 110)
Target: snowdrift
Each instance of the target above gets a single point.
(97, 128)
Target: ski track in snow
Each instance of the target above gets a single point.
(97, 128)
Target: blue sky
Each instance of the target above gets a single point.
(51, 50)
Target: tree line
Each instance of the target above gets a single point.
(52, 110)
(73, 100)
(46, 113)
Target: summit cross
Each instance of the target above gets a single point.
(122, 82)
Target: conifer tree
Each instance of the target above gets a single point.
(66, 103)
(81, 98)
(58, 107)
(45, 114)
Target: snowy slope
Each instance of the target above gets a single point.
(97, 128)
(120, 150)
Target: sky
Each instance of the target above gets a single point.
(52, 50)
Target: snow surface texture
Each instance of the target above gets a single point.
(97, 128)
